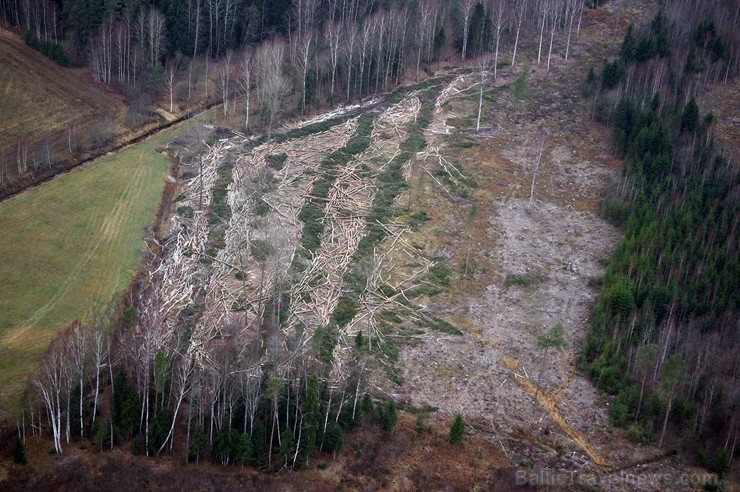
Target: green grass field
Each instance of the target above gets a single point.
(66, 248)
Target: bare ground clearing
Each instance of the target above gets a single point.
(526, 247)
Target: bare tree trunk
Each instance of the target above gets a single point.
(534, 175)
(171, 85)
(539, 377)
(665, 422)
(333, 37)
(480, 95)
(543, 16)
(520, 9)
(183, 375)
(554, 14)
(466, 7)
(572, 7)
(500, 19)
(352, 33)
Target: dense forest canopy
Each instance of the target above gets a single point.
(665, 335)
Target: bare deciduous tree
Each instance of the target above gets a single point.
(245, 82)
(170, 81)
(224, 80)
(76, 351)
(301, 53)
(500, 17)
(50, 381)
(272, 85)
(425, 30)
(333, 36)
(520, 8)
(156, 34)
(466, 7)
(352, 35)
(100, 345)
(571, 10)
(553, 18)
(484, 65)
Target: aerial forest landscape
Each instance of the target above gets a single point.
(370, 245)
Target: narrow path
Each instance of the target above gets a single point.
(549, 402)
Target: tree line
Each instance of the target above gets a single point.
(124, 379)
(664, 335)
(267, 57)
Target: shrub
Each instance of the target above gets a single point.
(637, 434)
(185, 211)
(525, 280)
(277, 161)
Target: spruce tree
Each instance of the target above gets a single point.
(19, 452)
(457, 429)
(243, 449)
(197, 444)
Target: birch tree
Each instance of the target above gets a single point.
(543, 10)
(352, 34)
(244, 80)
(380, 27)
(424, 30)
(571, 10)
(553, 16)
(500, 13)
(272, 86)
(333, 36)
(520, 8)
(466, 7)
(302, 51)
(484, 65)
(170, 80)
(366, 39)
(156, 34)
(100, 347)
(181, 386)
(224, 80)
(197, 8)
(77, 350)
(49, 381)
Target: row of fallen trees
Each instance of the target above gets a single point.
(241, 340)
